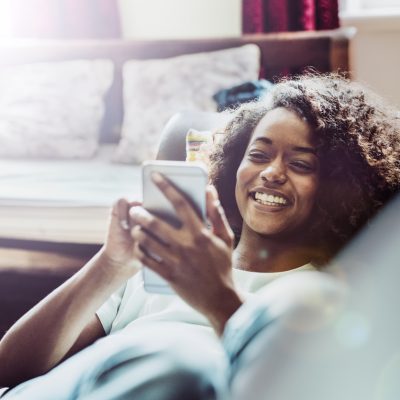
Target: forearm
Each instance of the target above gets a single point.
(226, 307)
(43, 336)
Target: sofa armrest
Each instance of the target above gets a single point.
(173, 144)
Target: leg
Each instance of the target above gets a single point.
(269, 333)
(158, 362)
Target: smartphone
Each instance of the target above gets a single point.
(191, 180)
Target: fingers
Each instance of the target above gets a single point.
(217, 217)
(159, 228)
(150, 246)
(157, 265)
(185, 211)
(123, 213)
(120, 212)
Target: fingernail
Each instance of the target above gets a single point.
(124, 225)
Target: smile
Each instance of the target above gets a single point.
(269, 199)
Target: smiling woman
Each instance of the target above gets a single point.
(325, 148)
(298, 173)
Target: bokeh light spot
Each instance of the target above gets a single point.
(263, 254)
(352, 329)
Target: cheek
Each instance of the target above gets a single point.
(238, 187)
(309, 190)
(242, 176)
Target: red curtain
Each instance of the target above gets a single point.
(67, 19)
(289, 15)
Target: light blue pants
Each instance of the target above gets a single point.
(166, 361)
(162, 361)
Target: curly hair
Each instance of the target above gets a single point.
(358, 144)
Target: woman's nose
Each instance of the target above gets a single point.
(274, 173)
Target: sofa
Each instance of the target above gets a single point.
(36, 255)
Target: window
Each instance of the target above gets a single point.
(368, 6)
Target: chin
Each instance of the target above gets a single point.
(278, 231)
(267, 231)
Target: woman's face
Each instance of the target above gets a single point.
(277, 180)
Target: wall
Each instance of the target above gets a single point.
(375, 53)
(162, 19)
(375, 56)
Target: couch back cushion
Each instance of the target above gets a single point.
(154, 90)
(53, 110)
(280, 52)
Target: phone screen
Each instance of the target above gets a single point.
(191, 180)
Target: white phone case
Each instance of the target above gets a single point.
(192, 180)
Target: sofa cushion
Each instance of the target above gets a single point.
(154, 90)
(52, 110)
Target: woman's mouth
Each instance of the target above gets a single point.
(269, 199)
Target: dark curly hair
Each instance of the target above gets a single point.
(358, 144)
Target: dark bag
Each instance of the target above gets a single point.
(243, 93)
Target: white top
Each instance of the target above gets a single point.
(132, 305)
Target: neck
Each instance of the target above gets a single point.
(260, 253)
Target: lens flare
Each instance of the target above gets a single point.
(263, 254)
(352, 329)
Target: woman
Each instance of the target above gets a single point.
(357, 140)
(298, 173)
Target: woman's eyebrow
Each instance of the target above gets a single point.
(299, 149)
(263, 140)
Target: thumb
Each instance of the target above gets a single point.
(217, 217)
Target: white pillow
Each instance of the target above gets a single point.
(154, 90)
(53, 110)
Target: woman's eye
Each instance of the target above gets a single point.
(302, 166)
(258, 156)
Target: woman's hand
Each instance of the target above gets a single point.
(195, 260)
(118, 247)
(41, 339)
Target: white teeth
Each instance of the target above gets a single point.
(269, 199)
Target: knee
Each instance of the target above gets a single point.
(174, 364)
(275, 327)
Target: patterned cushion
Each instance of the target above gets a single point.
(52, 110)
(154, 90)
